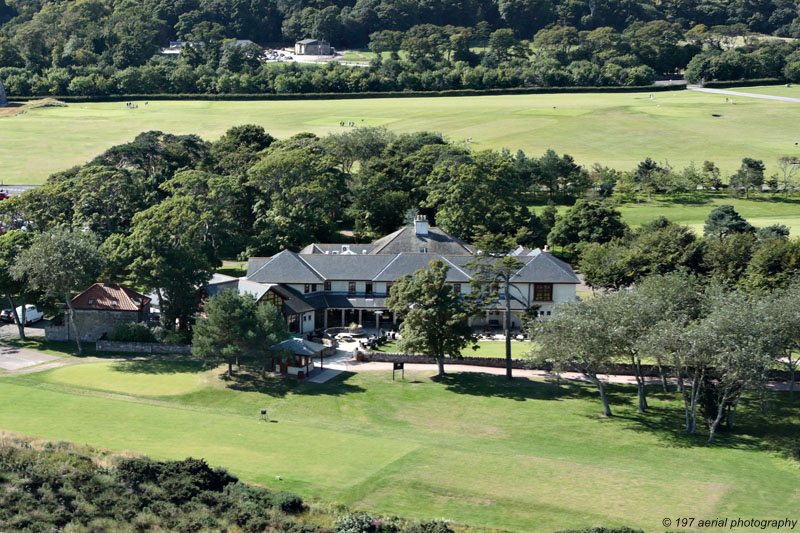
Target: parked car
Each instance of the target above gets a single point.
(6, 315)
(31, 314)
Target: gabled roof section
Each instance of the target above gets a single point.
(404, 264)
(299, 346)
(546, 268)
(284, 267)
(406, 240)
(347, 267)
(110, 297)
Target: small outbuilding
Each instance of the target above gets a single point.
(313, 47)
(299, 358)
(98, 309)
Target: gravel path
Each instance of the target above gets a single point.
(747, 95)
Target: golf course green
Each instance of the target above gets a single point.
(471, 448)
(616, 130)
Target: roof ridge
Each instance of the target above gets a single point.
(389, 238)
(268, 261)
(314, 270)
(381, 271)
(454, 265)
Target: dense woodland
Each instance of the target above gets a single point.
(163, 211)
(108, 47)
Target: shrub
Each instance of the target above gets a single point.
(355, 523)
(288, 503)
(131, 333)
(796, 453)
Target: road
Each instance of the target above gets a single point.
(746, 95)
(18, 189)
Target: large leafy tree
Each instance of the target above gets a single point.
(587, 222)
(172, 249)
(301, 195)
(483, 191)
(435, 319)
(58, 262)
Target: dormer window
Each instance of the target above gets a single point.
(91, 302)
(423, 250)
(114, 303)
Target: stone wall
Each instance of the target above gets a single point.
(142, 347)
(91, 324)
(620, 369)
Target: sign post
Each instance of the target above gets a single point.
(401, 367)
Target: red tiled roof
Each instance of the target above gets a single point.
(110, 296)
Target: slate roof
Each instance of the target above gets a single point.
(219, 284)
(403, 264)
(311, 41)
(300, 346)
(290, 267)
(407, 240)
(110, 297)
(284, 267)
(332, 248)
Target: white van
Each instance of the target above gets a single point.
(31, 314)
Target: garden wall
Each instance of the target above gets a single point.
(142, 347)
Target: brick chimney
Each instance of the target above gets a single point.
(421, 225)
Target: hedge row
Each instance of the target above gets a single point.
(743, 83)
(353, 96)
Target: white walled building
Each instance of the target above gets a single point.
(326, 285)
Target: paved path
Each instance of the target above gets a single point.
(748, 95)
(13, 358)
(355, 366)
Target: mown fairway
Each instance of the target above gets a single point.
(470, 448)
(618, 130)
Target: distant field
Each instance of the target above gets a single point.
(471, 448)
(774, 90)
(762, 210)
(618, 130)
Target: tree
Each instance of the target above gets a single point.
(58, 262)
(789, 167)
(743, 349)
(587, 222)
(12, 243)
(785, 317)
(657, 300)
(172, 250)
(492, 269)
(227, 329)
(577, 338)
(270, 328)
(723, 221)
(435, 318)
(749, 176)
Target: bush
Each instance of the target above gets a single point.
(796, 453)
(131, 333)
(288, 503)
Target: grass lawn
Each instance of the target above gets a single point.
(760, 210)
(485, 349)
(618, 130)
(470, 448)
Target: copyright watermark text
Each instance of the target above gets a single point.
(731, 523)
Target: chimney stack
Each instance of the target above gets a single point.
(421, 225)
(546, 248)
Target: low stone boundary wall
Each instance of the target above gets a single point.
(496, 362)
(385, 357)
(142, 347)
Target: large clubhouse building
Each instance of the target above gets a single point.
(327, 285)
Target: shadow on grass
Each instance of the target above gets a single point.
(279, 386)
(522, 388)
(776, 431)
(156, 366)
